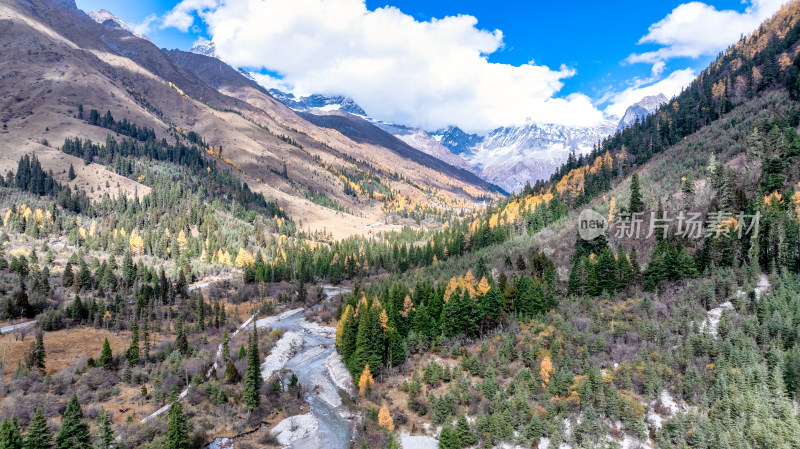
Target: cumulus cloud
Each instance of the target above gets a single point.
(145, 26)
(697, 29)
(425, 73)
(669, 86)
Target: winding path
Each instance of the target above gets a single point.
(7, 329)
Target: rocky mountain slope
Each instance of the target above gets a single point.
(509, 157)
(68, 60)
(641, 109)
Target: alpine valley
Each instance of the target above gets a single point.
(192, 259)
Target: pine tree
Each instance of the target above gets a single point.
(231, 375)
(181, 341)
(201, 312)
(128, 269)
(242, 352)
(84, 276)
(177, 428)
(146, 339)
(464, 432)
(71, 174)
(448, 438)
(10, 435)
(226, 349)
(39, 435)
(40, 351)
(106, 357)
(69, 276)
(74, 433)
(133, 350)
(105, 438)
(636, 204)
(252, 379)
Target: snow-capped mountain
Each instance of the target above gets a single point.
(318, 101)
(456, 139)
(509, 157)
(425, 142)
(513, 156)
(106, 18)
(205, 48)
(641, 109)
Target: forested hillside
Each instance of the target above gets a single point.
(150, 244)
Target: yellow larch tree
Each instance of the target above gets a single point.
(545, 370)
(385, 418)
(346, 315)
(365, 382)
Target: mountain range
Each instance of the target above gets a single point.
(70, 61)
(509, 157)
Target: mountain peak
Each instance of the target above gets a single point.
(109, 20)
(205, 48)
(641, 109)
(326, 103)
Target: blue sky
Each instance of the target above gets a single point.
(549, 61)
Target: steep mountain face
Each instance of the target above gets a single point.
(363, 131)
(206, 48)
(641, 109)
(514, 156)
(423, 141)
(456, 139)
(318, 101)
(509, 157)
(106, 18)
(66, 60)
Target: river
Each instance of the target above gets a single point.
(307, 350)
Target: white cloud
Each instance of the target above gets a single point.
(145, 26)
(669, 86)
(182, 15)
(697, 29)
(425, 73)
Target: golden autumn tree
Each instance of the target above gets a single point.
(612, 209)
(346, 315)
(385, 418)
(483, 287)
(244, 258)
(182, 240)
(365, 382)
(545, 370)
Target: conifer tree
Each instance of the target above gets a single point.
(636, 204)
(74, 433)
(133, 350)
(365, 381)
(39, 352)
(105, 438)
(146, 339)
(385, 418)
(106, 357)
(252, 379)
(225, 353)
(10, 434)
(181, 341)
(491, 307)
(464, 432)
(177, 428)
(71, 174)
(68, 277)
(39, 435)
(231, 375)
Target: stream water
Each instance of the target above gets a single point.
(334, 422)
